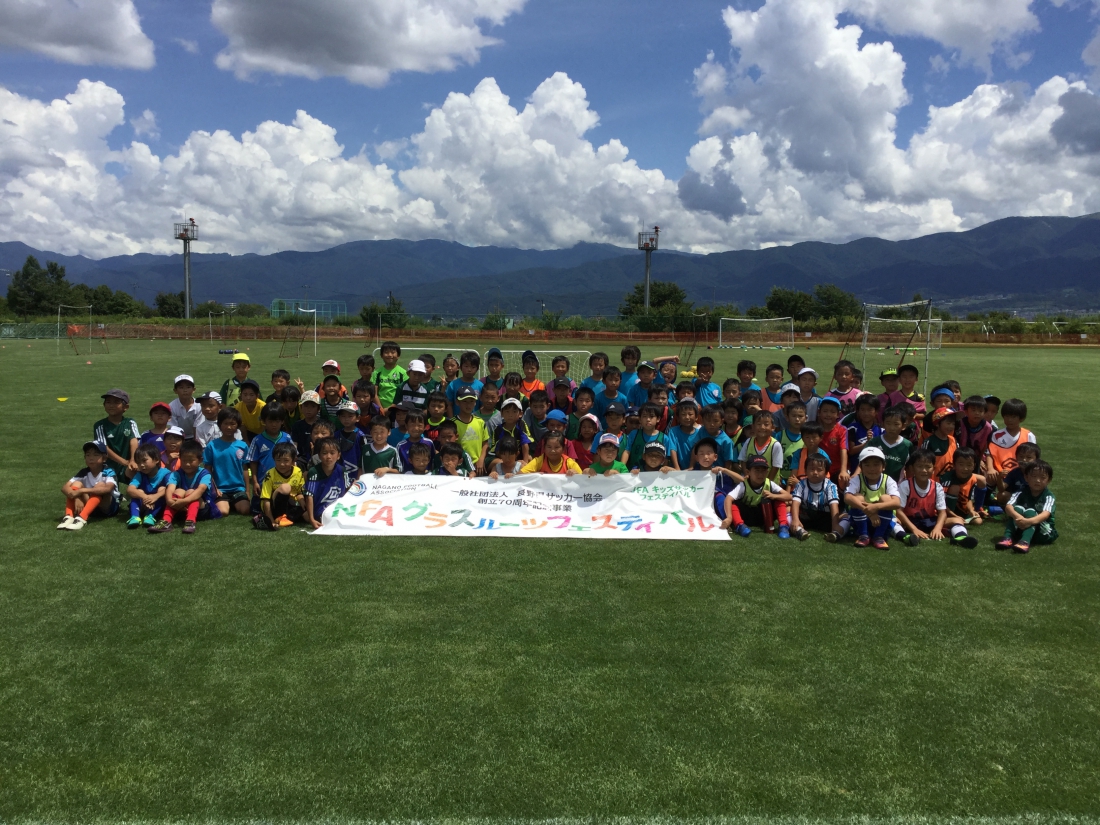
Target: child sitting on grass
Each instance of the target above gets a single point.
(92, 490)
(1015, 481)
(190, 492)
(1030, 513)
(758, 501)
(872, 497)
(923, 513)
(282, 492)
(964, 489)
(325, 482)
(815, 501)
(148, 487)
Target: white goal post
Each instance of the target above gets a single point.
(737, 333)
(915, 331)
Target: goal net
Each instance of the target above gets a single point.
(745, 333)
(901, 326)
(293, 340)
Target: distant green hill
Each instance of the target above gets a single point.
(1018, 262)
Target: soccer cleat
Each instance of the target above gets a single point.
(65, 522)
(967, 541)
(881, 544)
(801, 534)
(133, 521)
(1021, 547)
(743, 530)
(832, 537)
(1003, 544)
(148, 521)
(911, 539)
(863, 541)
(78, 524)
(784, 533)
(188, 527)
(283, 521)
(161, 527)
(995, 511)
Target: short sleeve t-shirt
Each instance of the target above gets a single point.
(772, 451)
(373, 459)
(274, 479)
(832, 443)
(725, 444)
(250, 419)
(187, 483)
(897, 454)
(856, 484)
(226, 462)
(117, 437)
(86, 478)
(389, 381)
(325, 490)
(817, 497)
(472, 437)
(600, 469)
(151, 483)
(259, 452)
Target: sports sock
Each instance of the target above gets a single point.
(89, 507)
(957, 530)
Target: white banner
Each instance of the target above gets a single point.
(677, 505)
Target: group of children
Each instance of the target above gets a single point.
(781, 453)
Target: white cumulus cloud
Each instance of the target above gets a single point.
(106, 32)
(798, 142)
(145, 125)
(362, 40)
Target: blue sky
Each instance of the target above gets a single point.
(755, 180)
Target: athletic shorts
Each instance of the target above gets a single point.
(233, 496)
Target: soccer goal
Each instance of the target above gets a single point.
(756, 333)
(901, 330)
(293, 340)
(513, 362)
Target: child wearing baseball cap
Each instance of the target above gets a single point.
(231, 389)
(872, 497)
(186, 411)
(118, 434)
(757, 501)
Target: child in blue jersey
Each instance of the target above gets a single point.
(815, 501)
(147, 488)
(597, 362)
(350, 438)
(414, 425)
(259, 458)
(746, 376)
(159, 414)
(863, 429)
(189, 492)
(224, 457)
(93, 490)
(872, 497)
(326, 482)
(630, 355)
(638, 394)
(706, 391)
(468, 365)
(713, 419)
(680, 437)
(706, 458)
(612, 378)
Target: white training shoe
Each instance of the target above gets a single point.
(78, 524)
(65, 522)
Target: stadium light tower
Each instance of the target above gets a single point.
(647, 241)
(187, 232)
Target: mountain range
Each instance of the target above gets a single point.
(1035, 263)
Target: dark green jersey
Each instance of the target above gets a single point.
(117, 437)
(372, 459)
(896, 456)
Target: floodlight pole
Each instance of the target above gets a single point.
(647, 242)
(187, 232)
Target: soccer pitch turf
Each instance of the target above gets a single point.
(234, 675)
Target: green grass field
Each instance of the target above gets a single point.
(233, 675)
